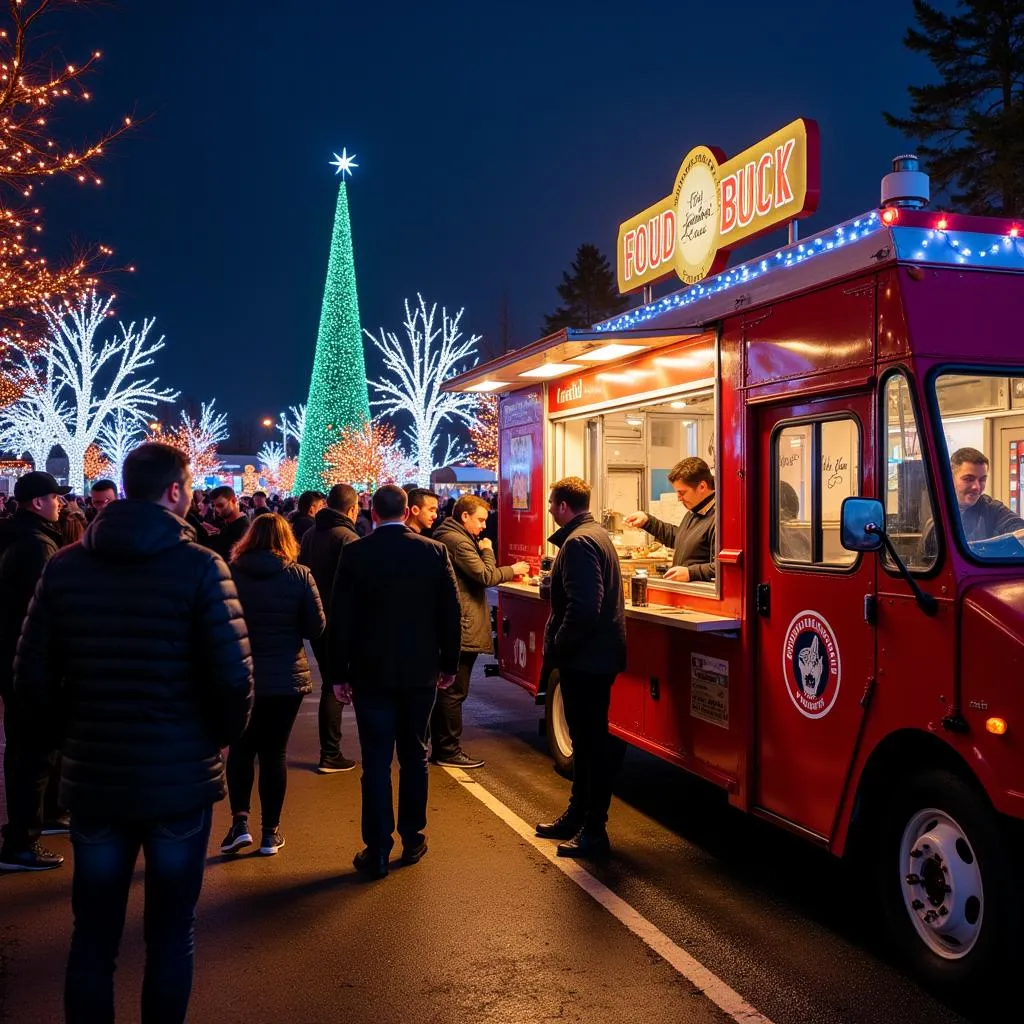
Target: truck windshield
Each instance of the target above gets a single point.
(982, 426)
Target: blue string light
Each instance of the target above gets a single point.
(935, 246)
(784, 258)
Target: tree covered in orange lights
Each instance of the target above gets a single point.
(367, 455)
(33, 84)
(197, 438)
(284, 478)
(96, 464)
(483, 433)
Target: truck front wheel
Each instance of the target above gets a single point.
(947, 888)
(559, 741)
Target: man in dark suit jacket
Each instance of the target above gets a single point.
(389, 666)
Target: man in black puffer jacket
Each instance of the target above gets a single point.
(30, 539)
(320, 551)
(135, 642)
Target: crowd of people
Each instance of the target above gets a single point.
(152, 653)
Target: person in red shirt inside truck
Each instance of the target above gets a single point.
(694, 538)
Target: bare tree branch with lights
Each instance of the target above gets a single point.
(118, 437)
(291, 424)
(198, 438)
(483, 433)
(32, 85)
(95, 380)
(369, 456)
(430, 354)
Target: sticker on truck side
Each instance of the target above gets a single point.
(811, 665)
(709, 689)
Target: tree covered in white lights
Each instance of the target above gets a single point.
(431, 352)
(77, 383)
(119, 436)
(24, 430)
(271, 455)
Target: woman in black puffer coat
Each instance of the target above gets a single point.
(281, 606)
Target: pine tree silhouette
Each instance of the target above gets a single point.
(590, 292)
(970, 126)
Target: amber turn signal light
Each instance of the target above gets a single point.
(996, 726)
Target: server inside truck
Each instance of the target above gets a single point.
(628, 455)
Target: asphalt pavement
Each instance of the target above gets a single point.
(485, 927)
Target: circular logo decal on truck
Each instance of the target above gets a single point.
(811, 665)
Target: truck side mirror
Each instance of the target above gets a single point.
(862, 521)
(862, 528)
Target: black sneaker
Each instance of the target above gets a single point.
(34, 858)
(57, 827)
(272, 842)
(330, 765)
(458, 760)
(237, 837)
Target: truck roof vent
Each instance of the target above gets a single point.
(907, 185)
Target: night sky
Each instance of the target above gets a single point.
(492, 138)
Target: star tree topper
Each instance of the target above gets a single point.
(344, 163)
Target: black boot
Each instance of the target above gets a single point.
(590, 843)
(565, 826)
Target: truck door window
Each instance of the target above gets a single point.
(817, 465)
(909, 518)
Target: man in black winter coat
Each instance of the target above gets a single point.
(585, 639)
(135, 643)
(30, 540)
(389, 666)
(333, 528)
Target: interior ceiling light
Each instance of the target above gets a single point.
(599, 355)
(678, 405)
(486, 385)
(550, 370)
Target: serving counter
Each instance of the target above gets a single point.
(665, 614)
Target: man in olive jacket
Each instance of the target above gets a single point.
(136, 644)
(585, 639)
(320, 550)
(476, 569)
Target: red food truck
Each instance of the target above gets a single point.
(855, 671)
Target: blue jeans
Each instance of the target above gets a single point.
(105, 856)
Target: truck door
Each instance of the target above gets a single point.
(815, 645)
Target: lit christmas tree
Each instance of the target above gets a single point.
(483, 434)
(337, 389)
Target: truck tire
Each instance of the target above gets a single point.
(944, 875)
(557, 729)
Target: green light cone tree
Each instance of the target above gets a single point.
(338, 395)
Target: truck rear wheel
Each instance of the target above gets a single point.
(947, 889)
(559, 741)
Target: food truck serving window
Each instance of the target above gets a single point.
(817, 465)
(982, 426)
(627, 455)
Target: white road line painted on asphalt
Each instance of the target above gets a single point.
(710, 985)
